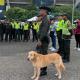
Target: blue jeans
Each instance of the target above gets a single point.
(53, 38)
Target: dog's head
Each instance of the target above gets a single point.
(32, 55)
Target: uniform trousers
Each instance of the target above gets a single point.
(66, 49)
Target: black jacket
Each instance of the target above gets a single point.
(44, 28)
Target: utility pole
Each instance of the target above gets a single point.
(54, 2)
(73, 10)
(8, 5)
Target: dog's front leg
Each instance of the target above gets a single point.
(38, 74)
(35, 73)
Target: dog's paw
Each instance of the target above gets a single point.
(59, 77)
(56, 74)
(32, 77)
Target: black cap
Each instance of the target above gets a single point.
(45, 8)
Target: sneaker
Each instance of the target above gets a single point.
(53, 49)
(78, 49)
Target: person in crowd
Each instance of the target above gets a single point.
(77, 34)
(59, 34)
(43, 37)
(2, 30)
(8, 30)
(17, 31)
(10, 33)
(13, 29)
(66, 36)
(26, 31)
(34, 30)
(21, 30)
(53, 27)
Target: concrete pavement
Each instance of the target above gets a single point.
(14, 66)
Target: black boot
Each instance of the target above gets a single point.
(43, 71)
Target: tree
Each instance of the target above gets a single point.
(66, 9)
(16, 13)
(20, 13)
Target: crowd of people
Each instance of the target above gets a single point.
(15, 30)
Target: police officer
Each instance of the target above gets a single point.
(2, 30)
(7, 30)
(35, 27)
(10, 31)
(13, 29)
(43, 40)
(59, 34)
(21, 30)
(17, 31)
(26, 31)
(66, 34)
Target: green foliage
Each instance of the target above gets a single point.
(20, 13)
(30, 11)
(16, 13)
(76, 14)
(65, 9)
(62, 9)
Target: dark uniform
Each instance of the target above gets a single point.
(13, 30)
(26, 31)
(35, 25)
(7, 31)
(44, 39)
(2, 30)
(21, 32)
(17, 31)
(67, 33)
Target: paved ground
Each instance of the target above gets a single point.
(14, 66)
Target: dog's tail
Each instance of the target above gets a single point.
(62, 67)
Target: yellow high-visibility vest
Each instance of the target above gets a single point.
(26, 26)
(60, 25)
(36, 26)
(65, 29)
(17, 25)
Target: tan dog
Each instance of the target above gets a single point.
(39, 61)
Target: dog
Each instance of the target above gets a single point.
(39, 61)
